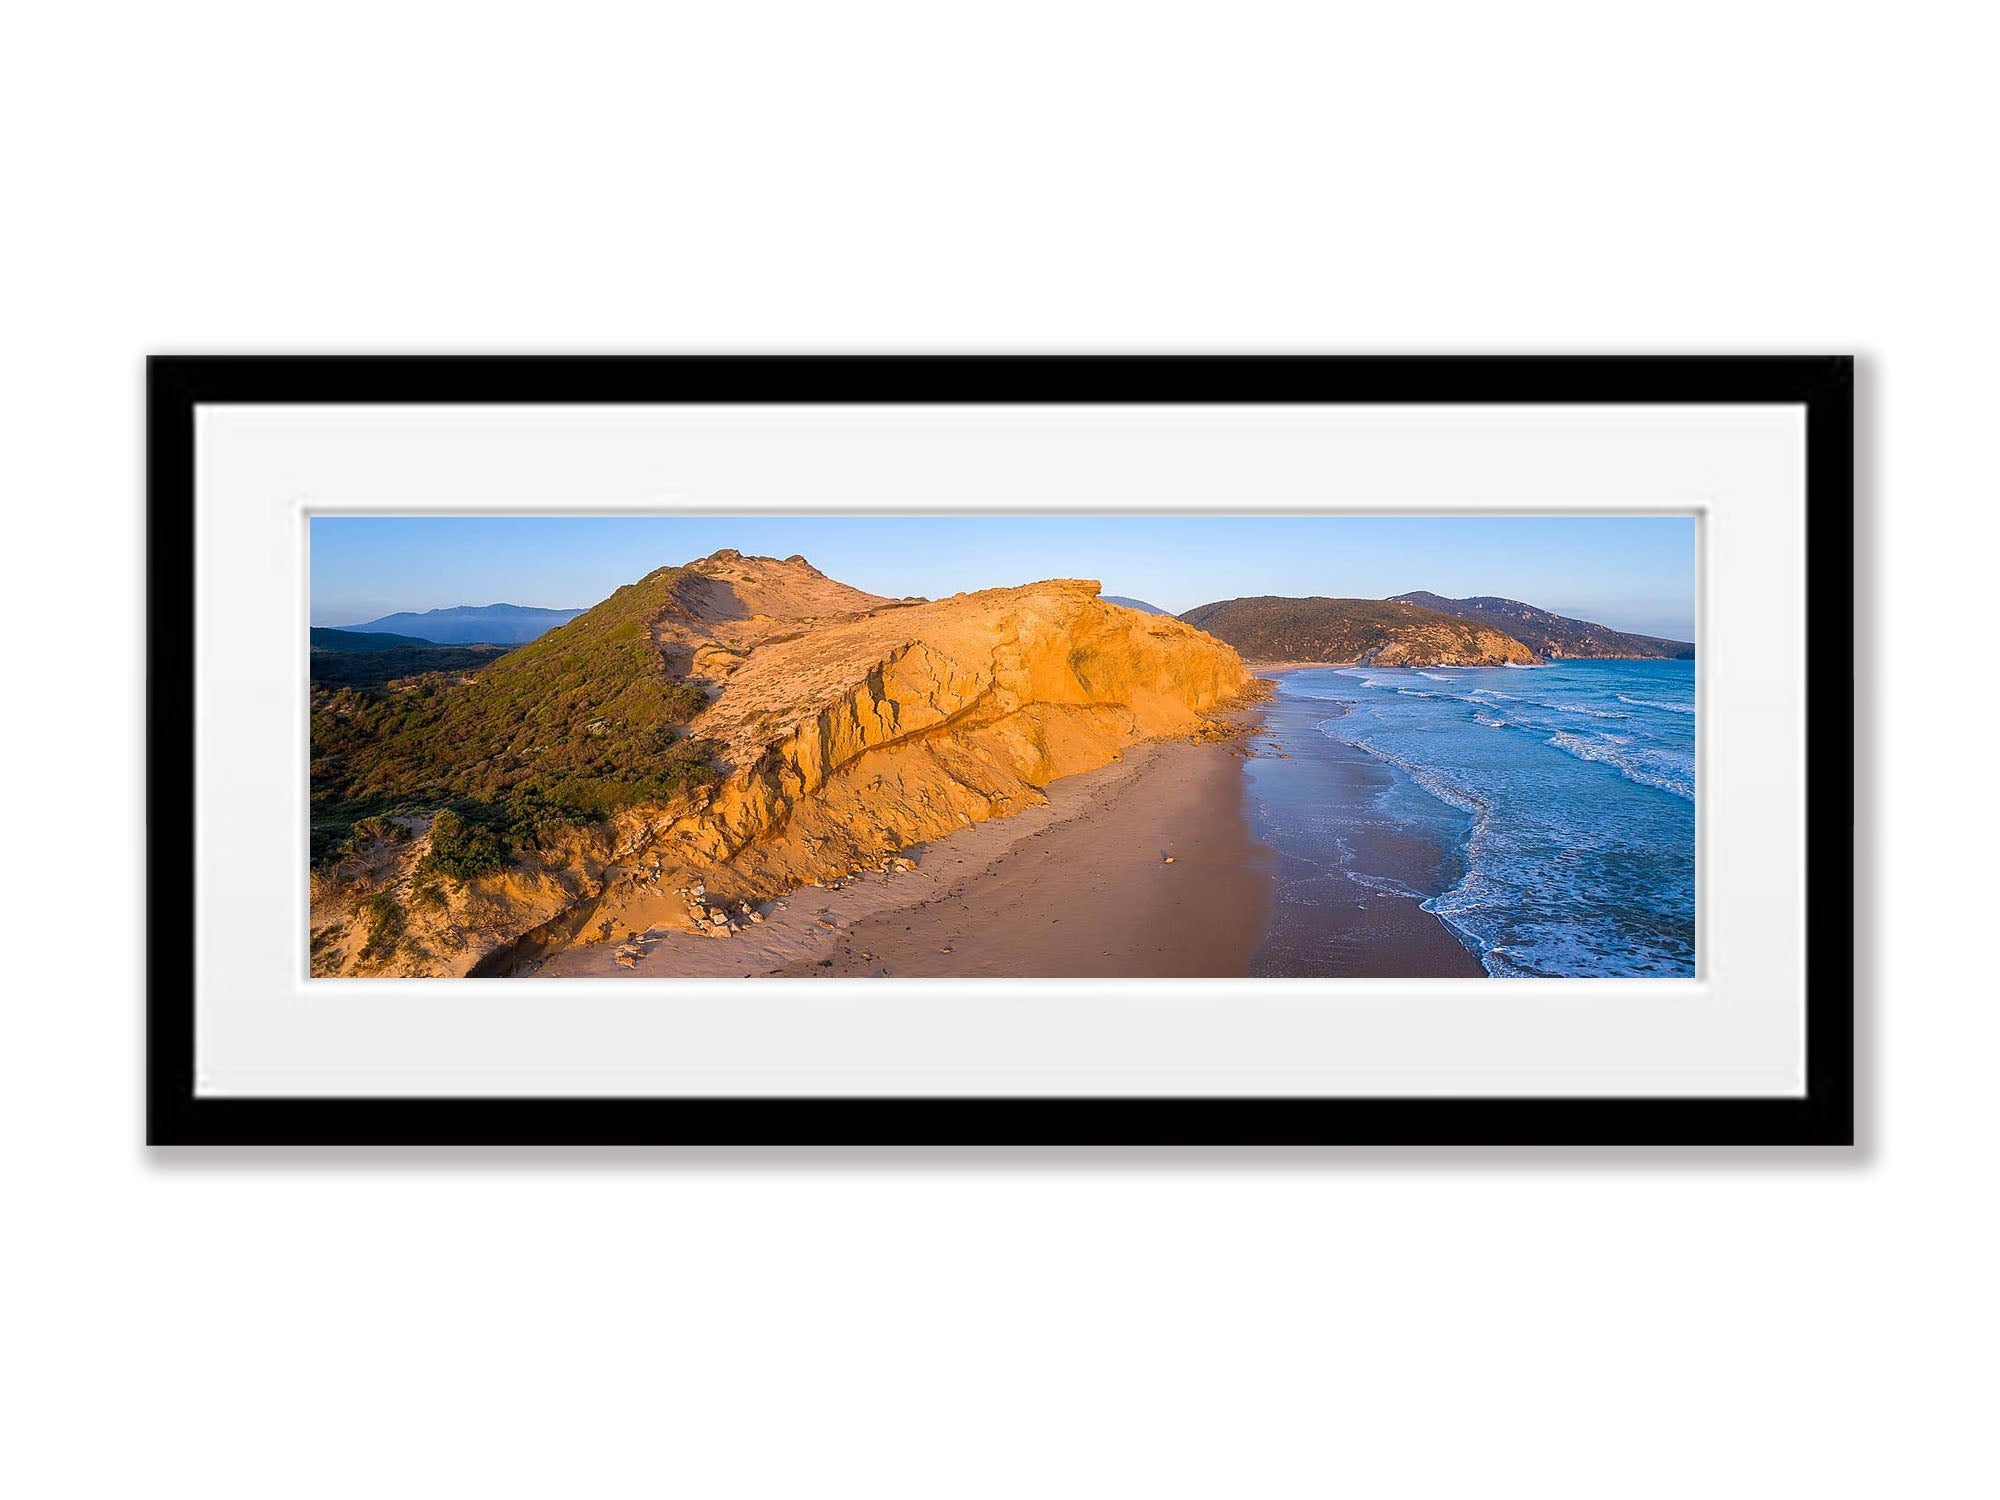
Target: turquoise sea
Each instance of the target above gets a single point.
(1560, 800)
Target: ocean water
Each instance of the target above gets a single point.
(1566, 793)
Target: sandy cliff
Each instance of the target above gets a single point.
(851, 727)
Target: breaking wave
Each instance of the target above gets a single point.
(1642, 766)
(1672, 708)
(1561, 868)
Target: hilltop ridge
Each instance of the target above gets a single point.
(736, 726)
(1550, 634)
(471, 624)
(1363, 632)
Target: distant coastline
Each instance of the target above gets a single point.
(1037, 780)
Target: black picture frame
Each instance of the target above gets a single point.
(1823, 1115)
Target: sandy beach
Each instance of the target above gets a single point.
(1351, 877)
(1265, 854)
(1143, 868)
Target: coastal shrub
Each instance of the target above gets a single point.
(561, 732)
(1318, 629)
(386, 920)
(380, 669)
(328, 840)
(333, 839)
(462, 849)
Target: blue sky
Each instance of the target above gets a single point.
(1632, 573)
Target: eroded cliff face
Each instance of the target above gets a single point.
(1474, 646)
(852, 728)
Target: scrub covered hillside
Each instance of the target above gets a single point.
(1367, 632)
(1552, 635)
(564, 730)
(708, 739)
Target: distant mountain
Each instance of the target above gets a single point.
(1139, 604)
(761, 725)
(1367, 632)
(1552, 635)
(467, 624)
(324, 639)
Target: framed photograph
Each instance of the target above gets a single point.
(1029, 751)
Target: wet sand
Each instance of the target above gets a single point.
(1180, 860)
(1351, 877)
(1145, 868)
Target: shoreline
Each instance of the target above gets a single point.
(1143, 868)
(1155, 874)
(1559, 845)
(1353, 875)
(1267, 853)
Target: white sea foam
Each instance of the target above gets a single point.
(1561, 872)
(1448, 905)
(1561, 708)
(1641, 767)
(1386, 885)
(1455, 907)
(1672, 708)
(1578, 708)
(1430, 781)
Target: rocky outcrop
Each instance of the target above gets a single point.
(1557, 637)
(850, 727)
(1356, 632)
(383, 910)
(849, 743)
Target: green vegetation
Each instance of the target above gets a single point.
(560, 732)
(1550, 634)
(378, 668)
(325, 638)
(330, 840)
(1271, 628)
(463, 849)
(386, 921)
(382, 828)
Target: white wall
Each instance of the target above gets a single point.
(1529, 177)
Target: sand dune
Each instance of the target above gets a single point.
(850, 727)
